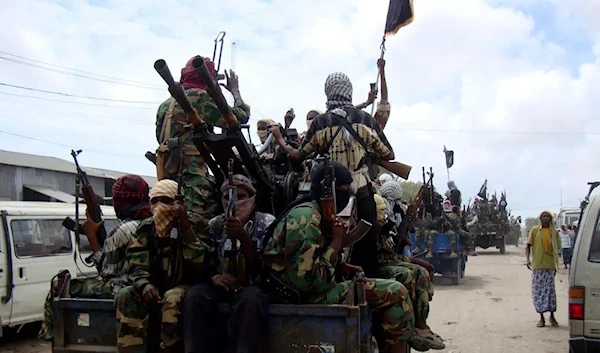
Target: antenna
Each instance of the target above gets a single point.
(233, 56)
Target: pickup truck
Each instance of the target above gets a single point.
(88, 325)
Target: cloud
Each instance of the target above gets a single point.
(489, 79)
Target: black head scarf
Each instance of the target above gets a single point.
(342, 177)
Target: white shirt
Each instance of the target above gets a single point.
(565, 239)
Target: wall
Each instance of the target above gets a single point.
(13, 178)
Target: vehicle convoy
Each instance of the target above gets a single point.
(492, 224)
(34, 246)
(584, 279)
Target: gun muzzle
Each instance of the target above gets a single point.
(151, 157)
(200, 67)
(161, 67)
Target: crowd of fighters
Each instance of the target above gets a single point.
(181, 259)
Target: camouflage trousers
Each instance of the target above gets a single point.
(416, 280)
(89, 288)
(389, 299)
(133, 317)
(199, 192)
(467, 239)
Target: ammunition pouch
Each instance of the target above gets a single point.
(162, 155)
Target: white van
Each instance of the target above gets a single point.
(34, 247)
(584, 283)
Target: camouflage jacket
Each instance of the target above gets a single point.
(453, 221)
(165, 262)
(300, 254)
(219, 263)
(423, 224)
(207, 110)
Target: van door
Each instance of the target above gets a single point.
(41, 248)
(585, 278)
(5, 296)
(85, 250)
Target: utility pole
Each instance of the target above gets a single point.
(233, 56)
(561, 198)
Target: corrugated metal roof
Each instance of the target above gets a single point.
(59, 165)
(56, 194)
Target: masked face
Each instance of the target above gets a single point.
(244, 205)
(262, 132)
(162, 213)
(342, 197)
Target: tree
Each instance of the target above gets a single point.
(530, 222)
(409, 189)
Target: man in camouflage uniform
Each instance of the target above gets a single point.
(415, 274)
(350, 137)
(165, 258)
(299, 254)
(234, 285)
(130, 201)
(171, 123)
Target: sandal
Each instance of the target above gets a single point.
(541, 323)
(424, 340)
(553, 322)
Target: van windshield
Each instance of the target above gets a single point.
(594, 255)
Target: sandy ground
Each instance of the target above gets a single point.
(489, 311)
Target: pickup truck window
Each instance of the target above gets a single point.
(40, 237)
(594, 255)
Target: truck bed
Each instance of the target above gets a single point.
(89, 325)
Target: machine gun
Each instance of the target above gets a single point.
(327, 201)
(82, 184)
(231, 244)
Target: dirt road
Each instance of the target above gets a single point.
(490, 311)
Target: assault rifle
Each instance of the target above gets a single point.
(93, 207)
(327, 200)
(230, 212)
(411, 216)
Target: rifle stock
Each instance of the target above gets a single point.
(177, 92)
(327, 201)
(214, 91)
(400, 169)
(93, 207)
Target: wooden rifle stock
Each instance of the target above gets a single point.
(177, 92)
(214, 91)
(327, 201)
(93, 207)
(400, 169)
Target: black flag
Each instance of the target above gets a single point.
(400, 14)
(483, 190)
(449, 158)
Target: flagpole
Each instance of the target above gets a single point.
(382, 47)
(448, 171)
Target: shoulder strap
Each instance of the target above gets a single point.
(165, 132)
(269, 231)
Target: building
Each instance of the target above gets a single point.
(28, 177)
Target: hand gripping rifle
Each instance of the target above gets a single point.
(327, 204)
(93, 207)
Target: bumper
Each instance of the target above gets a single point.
(584, 345)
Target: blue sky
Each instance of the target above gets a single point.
(510, 85)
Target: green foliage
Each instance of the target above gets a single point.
(530, 222)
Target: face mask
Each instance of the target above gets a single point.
(163, 216)
(342, 197)
(243, 208)
(262, 135)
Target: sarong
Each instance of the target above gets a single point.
(543, 291)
